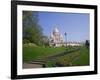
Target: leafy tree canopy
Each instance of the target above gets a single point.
(32, 31)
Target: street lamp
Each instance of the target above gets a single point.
(66, 38)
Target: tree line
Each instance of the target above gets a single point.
(32, 30)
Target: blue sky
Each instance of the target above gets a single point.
(76, 25)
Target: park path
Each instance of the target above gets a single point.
(31, 65)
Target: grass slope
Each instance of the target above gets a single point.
(83, 59)
(32, 53)
(77, 58)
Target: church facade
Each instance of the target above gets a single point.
(57, 40)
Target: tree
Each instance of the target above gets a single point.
(87, 43)
(45, 41)
(32, 31)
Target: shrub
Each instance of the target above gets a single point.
(26, 41)
(30, 45)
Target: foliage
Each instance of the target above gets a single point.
(26, 41)
(32, 31)
(45, 41)
(87, 43)
(29, 45)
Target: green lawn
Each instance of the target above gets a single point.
(83, 59)
(77, 58)
(32, 53)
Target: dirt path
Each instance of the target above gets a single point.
(29, 65)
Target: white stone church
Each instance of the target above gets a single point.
(57, 40)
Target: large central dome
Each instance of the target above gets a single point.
(56, 30)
